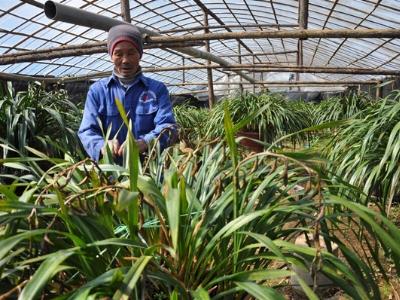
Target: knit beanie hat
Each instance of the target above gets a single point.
(124, 33)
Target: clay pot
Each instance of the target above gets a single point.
(248, 142)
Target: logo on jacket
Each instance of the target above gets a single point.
(147, 96)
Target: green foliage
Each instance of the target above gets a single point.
(208, 223)
(47, 121)
(365, 152)
(339, 108)
(268, 114)
(191, 121)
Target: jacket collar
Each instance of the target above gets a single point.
(113, 79)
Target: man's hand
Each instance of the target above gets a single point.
(114, 146)
(141, 145)
(118, 150)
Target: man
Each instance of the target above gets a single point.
(146, 101)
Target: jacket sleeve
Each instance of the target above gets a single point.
(163, 120)
(90, 132)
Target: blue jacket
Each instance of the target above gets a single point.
(146, 102)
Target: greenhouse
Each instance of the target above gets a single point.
(199, 149)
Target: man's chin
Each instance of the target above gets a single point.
(127, 73)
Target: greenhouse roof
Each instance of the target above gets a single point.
(247, 35)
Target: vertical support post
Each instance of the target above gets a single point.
(240, 62)
(229, 83)
(125, 11)
(303, 14)
(254, 76)
(262, 80)
(299, 58)
(378, 90)
(183, 70)
(211, 97)
(303, 24)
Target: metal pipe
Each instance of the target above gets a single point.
(68, 14)
(65, 13)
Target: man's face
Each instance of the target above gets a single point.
(125, 58)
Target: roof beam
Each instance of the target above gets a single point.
(180, 41)
(294, 34)
(262, 53)
(84, 49)
(302, 69)
(282, 83)
(227, 26)
(8, 76)
(271, 68)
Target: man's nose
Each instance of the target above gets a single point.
(125, 59)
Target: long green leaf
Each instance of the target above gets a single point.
(125, 291)
(45, 272)
(260, 292)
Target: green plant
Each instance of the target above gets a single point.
(365, 152)
(217, 225)
(268, 114)
(340, 108)
(47, 121)
(191, 121)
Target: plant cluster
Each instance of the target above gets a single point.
(268, 115)
(191, 122)
(46, 121)
(201, 224)
(340, 108)
(365, 152)
(205, 221)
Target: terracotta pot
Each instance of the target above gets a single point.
(247, 140)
